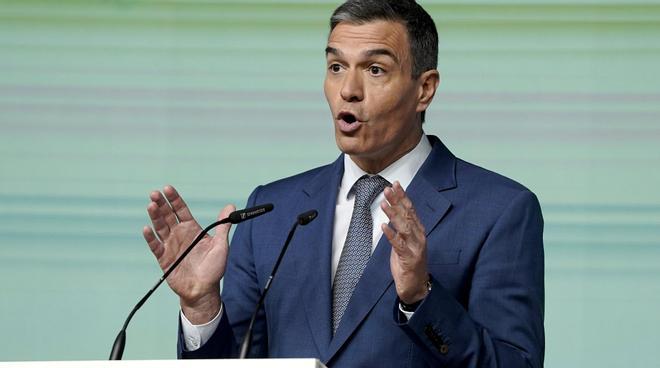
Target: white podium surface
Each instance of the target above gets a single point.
(201, 363)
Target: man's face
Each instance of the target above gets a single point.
(372, 95)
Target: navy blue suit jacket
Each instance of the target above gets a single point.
(485, 257)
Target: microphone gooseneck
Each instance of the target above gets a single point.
(234, 218)
(303, 219)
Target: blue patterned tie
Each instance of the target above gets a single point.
(358, 245)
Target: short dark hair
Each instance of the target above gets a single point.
(422, 34)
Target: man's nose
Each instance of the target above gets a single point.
(352, 89)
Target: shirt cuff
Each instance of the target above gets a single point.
(195, 336)
(407, 314)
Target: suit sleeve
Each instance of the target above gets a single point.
(502, 325)
(240, 293)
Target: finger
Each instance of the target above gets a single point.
(404, 200)
(396, 202)
(164, 208)
(222, 232)
(399, 219)
(397, 243)
(408, 229)
(158, 221)
(155, 245)
(391, 196)
(178, 204)
(398, 191)
(391, 213)
(390, 234)
(398, 196)
(224, 213)
(392, 201)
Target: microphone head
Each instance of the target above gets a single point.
(307, 217)
(249, 213)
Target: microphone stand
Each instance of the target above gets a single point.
(303, 219)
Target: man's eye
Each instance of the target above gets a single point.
(335, 68)
(375, 70)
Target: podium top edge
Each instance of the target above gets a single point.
(204, 363)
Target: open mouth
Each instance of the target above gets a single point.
(347, 117)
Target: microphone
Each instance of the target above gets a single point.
(303, 219)
(234, 218)
(237, 217)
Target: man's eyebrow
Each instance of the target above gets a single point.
(385, 52)
(332, 50)
(368, 53)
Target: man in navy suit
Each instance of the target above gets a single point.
(453, 270)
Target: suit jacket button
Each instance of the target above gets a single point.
(444, 349)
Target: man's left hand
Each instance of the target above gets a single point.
(408, 239)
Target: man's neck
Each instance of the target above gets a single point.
(376, 165)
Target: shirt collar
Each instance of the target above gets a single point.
(403, 169)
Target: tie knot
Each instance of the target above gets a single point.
(367, 188)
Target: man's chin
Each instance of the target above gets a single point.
(347, 144)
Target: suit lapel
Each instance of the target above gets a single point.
(435, 175)
(320, 194)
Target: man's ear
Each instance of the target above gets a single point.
(428, 84)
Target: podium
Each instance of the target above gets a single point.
(202, 363)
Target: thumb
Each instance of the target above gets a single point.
(222, 231)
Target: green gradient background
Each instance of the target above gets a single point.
(103, 101)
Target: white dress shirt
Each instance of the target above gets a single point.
(402, 170)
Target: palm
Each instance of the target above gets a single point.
(204, 265)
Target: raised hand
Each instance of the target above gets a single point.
(408, 239)
(197, 279)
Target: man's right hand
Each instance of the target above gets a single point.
(197, 279)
